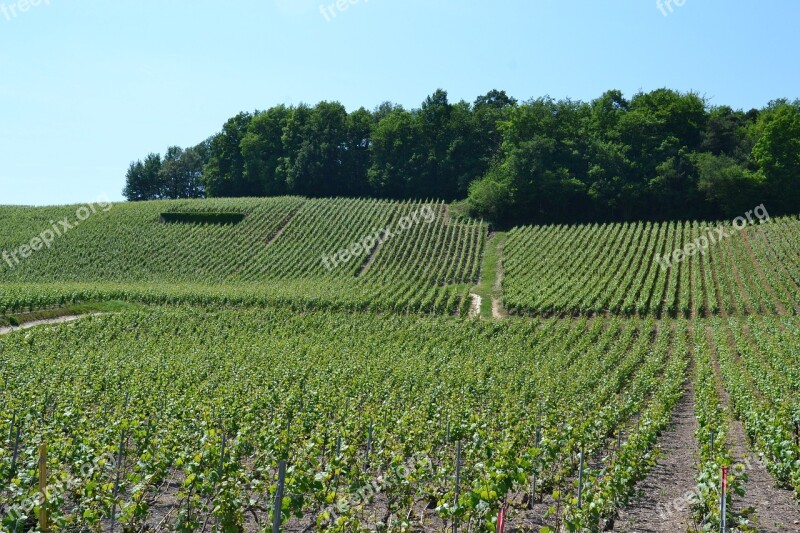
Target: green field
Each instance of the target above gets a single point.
(221, 344)
(274, 255)
(612, 269)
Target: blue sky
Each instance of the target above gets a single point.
(88, 86)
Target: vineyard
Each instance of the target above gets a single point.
(310, 365)
(612, 269)
(200, 407)
(275, 255)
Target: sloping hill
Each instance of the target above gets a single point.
(318, 253)
(539, 413)
(667, 269)
(392, 256)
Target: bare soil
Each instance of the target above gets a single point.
(662, 504)
(475, 306)
(60, 320)
(497, 309)
(773, 509)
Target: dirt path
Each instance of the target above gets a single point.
(775, 508)
(497, 309)
(663, 297)
(717, 288)
(663, 504)
(60, 320)
(475, 306)
(370, 259)
(738, 279)
(497, 290)
(489, 287)
(706, 304)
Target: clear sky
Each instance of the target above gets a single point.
(88, 86)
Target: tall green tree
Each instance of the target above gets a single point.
(224, 175)
(543, 155)
(143, 180)
(180, 173)
(355, 167)
(661, 154)
(726, 133)
(730, 188)
(395, 155)
(315, 145)
(488, 111)
(777, 154)
(262, 150)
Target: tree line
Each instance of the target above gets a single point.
(656, 156)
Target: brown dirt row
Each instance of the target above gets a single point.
(60, 320)
(661, 506)
(773, 509)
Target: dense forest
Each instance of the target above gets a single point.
(659, 155)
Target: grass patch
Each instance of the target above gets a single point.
(487, 288)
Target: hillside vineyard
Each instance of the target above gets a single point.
(276, 254)
(321, 365)
(618, 269)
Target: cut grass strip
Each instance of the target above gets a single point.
(488, 287)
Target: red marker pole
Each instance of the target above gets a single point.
(501, 520)
(724, 503)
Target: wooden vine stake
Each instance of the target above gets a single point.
(15, 453)
(535, 467)
(118, 467)
(43, 527)
(369, 447)
(277, 518)
(580, 482)
(458, 483)
(723, 506)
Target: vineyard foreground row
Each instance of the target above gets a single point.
(179, 419)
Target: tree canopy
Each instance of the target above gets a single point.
(658, 155)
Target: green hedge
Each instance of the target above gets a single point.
(202, 218)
